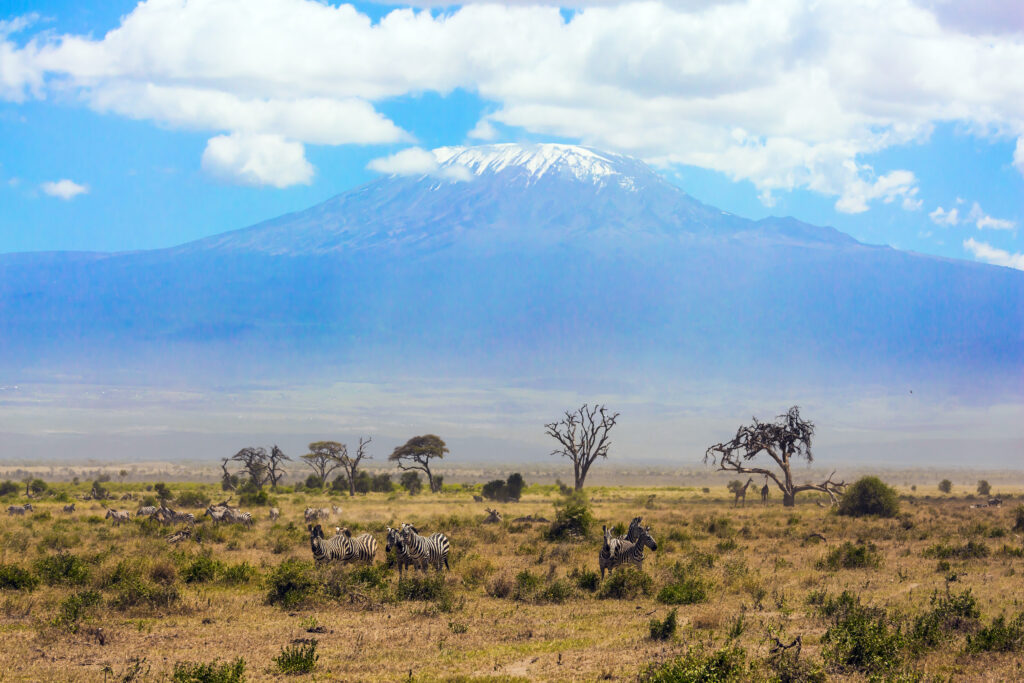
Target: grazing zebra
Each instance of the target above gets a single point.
(364, 546)
(432, 550)
(326, 549)
(19, 509)
(179, 536)
(69, 508)
(238, 517)
(217, 514)
(167, 516)
(146, 511)
(274, 514)
(616, 551)
(402, 559)
(336, 510)
(119, 516)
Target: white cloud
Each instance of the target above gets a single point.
(483, 130)
(783, 93)
(982, 220)
(417, 161)
(250, 159)
(64, 189)
(1018, 155)
(989, 254)
(942, 217)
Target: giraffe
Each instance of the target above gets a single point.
(741, 493)
(764, 492)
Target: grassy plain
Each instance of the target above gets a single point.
(515, 605)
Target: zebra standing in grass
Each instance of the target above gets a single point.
(426, 550)
(326, 549)
(364, 546)
(274, 514)
(402, 559)
(313, 514)
(119, 516)
(19, 509)
(146, 511)
(69, 508)
(238, 517)
(617, 551)
(217, 514)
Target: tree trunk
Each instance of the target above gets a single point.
(351, 486)
(430, 479)
(788, 499)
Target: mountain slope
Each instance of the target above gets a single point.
(511, 261)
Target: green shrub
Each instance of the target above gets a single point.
(946, 486)
(698, 666)
(381, 483)
(8, 488)
(573, 518)
(1018, 513)
(861, 638)
(134, 591)
(984, 488)
(585, 579)
(201, 569)
(238, 573)
(62, 568)
(430, 587)
(193, 499)
(970, 550)
(869, 496)
(526, 585)
(411, 482)
(13, 577)
(626, 582)
(291, 583)
(255, 498)
(557, 592)
(74, 607)
(999, 636)
(663, 629)
(850, 556)
(298, 659)
(686, 591)
(948, 613)
(213, 672)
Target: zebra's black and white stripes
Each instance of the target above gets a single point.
(364, 547)
(616, 551)
(394, 540)
(19, 509)
(426, 550)
(329, 549)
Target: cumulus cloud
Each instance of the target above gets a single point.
(251, 159)
(983, 251)
(983, 221)
(942, 217)
(785, 94)
(418, 161)
(483, 130)
(1018, 155)
(64, 189)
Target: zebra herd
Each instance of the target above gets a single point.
(411, 549)
(628, 549)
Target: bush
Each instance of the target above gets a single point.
(505, 491)
(238, 573)
(38, 487)
(14, 577)
(8, 487)
(255, 498)
(685, 591)
(193, 499)
(946, 486)
(73, 608)
(134, 592)
(664, 629)
(363, 482)
(298, 659)
(948, 613)
(850, 556)
(861, 638)
(214, 672)
(696, 666)
(585, 579)
(984, 488)
(162, 492)
(292, 583)
(626, 582)
(98, 492)
(869, 496)
(431, 588)
(381, 483)
(201, 570)
(999, 636)
(1018, 513)
(411, 482)
(573, 518)
(62, 568)
(970, 550)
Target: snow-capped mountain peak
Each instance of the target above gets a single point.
(535, 161)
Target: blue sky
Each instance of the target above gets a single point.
(902, 125)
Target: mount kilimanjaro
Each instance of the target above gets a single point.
(515, 261)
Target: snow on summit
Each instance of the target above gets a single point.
(540, 159)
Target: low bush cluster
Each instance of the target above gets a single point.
(851, 556)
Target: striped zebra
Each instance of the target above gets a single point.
(146, 511)
(313, 514)
(238, 517)
(327, 549)
(19, 509)
(364, 546)
(119, 516)
(402, 559)
(274, 514)
(426, 550)
(69, 508)
(616, 551)
(167, 516)
(217, 514)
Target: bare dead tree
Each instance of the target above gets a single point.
(324, 457)
(351, 465)
(788, 437)
(254, 463)
(227, 482)
(583, 437)
(275, 465)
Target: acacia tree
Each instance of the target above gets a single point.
(324, 457)
(788, 437)
(583, 437)
(417, 453)
(351, 465)
(254, 463)
(275, 465)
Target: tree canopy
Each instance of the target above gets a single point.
(417, 453)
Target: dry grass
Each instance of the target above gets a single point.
(492, 622)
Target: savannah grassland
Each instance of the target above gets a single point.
(515, 605)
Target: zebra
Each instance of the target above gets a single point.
(336, 510)
(119, 516)
(69, 508)
(238, 517)
(402, 559)
(146, 511)
(217, 514)
(19, 509)
(432, 550)
(274, 514)
(364, 546)
(326, 549)
(167, 516)
(616, 551)
(313, 514)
